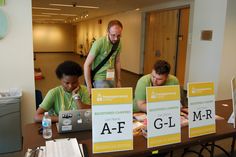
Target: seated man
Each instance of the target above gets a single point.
(70, 95)
(159, 77)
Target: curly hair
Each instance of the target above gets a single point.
(69, 68)
(162, 67)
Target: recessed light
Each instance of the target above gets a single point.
(73, 5)
(45, 8)
(68, 14)
(50, 13)
(85, 6)
(42, 15)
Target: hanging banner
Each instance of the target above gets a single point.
(163, 115)
(112, 110)
(201, 106)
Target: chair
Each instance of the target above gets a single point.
(38, 98)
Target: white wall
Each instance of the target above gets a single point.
(16, 56)
(53, 37)
(205, 56)
(228, 59)
(131, 37)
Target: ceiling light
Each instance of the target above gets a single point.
(137, 9)
(41, 19)
(85, 6)
(62, 5)
(50, 13)
(58, 19)
(74, 5)
(42, 15)
(45, 8)
(68, 14)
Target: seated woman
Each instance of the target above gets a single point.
(70, 95)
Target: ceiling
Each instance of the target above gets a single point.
(75, 14)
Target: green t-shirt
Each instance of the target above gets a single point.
(57, 99)
(145, 81)
(100, 49)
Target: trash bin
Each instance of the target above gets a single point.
(10, 121)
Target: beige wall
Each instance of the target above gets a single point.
(131, 37)
(48, 63)
(16, 56)
(228, 58)
(54, 37)
(204, 56)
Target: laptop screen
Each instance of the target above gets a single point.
(74, 120)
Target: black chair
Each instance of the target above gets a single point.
(38, 98)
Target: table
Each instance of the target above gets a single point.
(223, 130)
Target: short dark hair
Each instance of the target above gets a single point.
(69, 68)
(162, 67)
(114, 22)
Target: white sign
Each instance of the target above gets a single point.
(201, 108)
(233, 91)
(163, 115)
(112, 119)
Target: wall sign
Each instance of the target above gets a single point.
(112, 119)
(201, 109)
(163, 115)
(3, 24)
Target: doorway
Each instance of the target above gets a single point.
(166, 38)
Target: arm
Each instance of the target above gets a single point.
(78, 99)
(87, 71)
(142, 106)
(38, 117)
(45, 106)
(140, 93)
(82, 105)
(117, 71)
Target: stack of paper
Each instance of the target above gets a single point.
(64, 147)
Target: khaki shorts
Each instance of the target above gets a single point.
(104, 84)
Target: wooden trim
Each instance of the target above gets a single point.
(168, 9)
(133, 73)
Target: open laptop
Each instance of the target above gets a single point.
(74, 120)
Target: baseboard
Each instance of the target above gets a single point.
(131, 72)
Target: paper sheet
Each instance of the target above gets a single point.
(63, 147)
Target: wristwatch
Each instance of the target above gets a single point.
(76, 97)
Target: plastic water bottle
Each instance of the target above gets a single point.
(47, 123)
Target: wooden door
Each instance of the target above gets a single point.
(161, 38)
(182, 44)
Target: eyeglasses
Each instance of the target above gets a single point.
(114, 35)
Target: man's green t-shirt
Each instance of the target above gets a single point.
(57, 99)
(145, 81)
(100, 49)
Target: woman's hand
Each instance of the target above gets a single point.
(75, 91)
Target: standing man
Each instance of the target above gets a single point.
(108, 75)
(159, 77)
